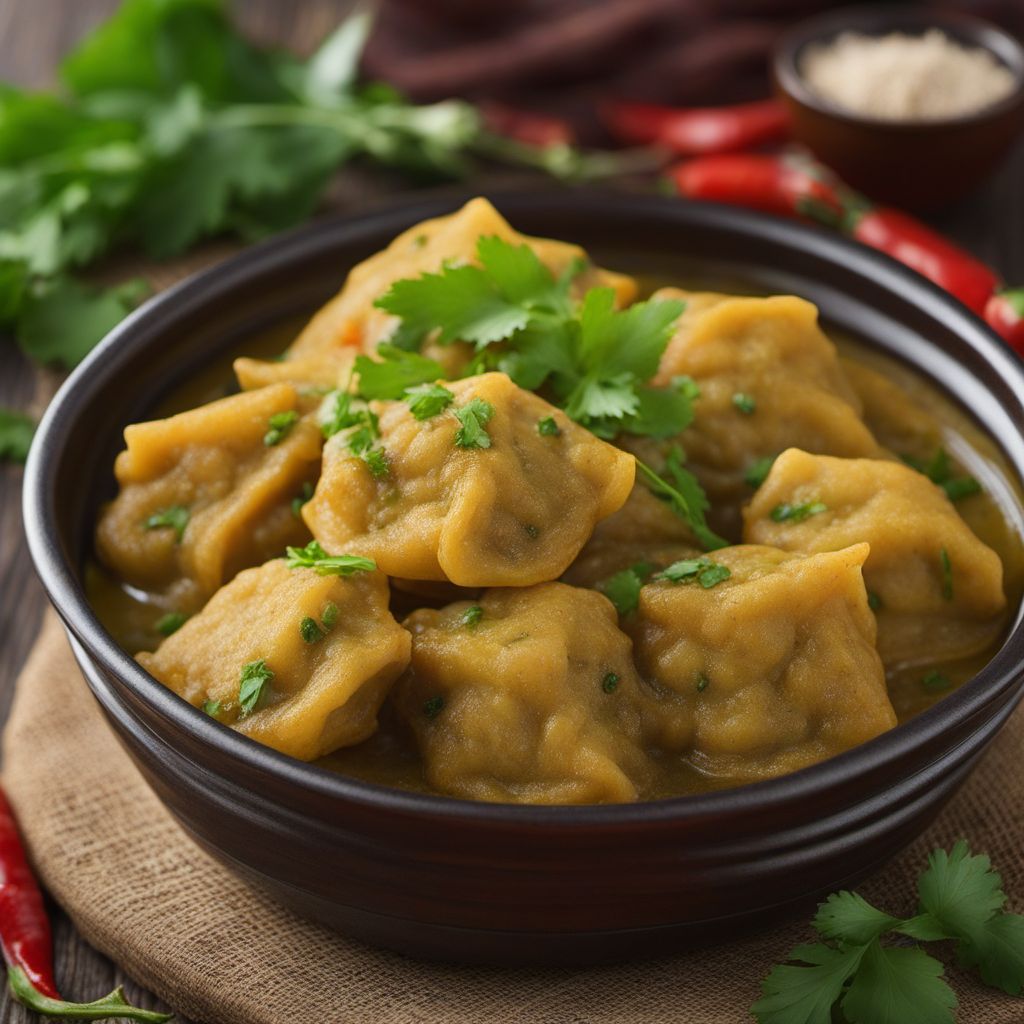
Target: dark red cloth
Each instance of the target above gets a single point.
(558, 56)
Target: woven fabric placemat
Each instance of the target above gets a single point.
(220, 951)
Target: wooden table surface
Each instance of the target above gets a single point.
(33, 34)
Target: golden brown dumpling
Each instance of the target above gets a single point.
(532, 699)
(767, 671)
(769, 380)
(511, 514)
(204, 495)
(425, 248)
(937, 587)
(331, 645)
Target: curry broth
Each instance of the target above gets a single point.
(908, 415)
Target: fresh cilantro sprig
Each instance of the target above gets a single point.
(171, 128)
(852, 973)
(254, 686)
(623, 589)
(341, 412)
(682, 492)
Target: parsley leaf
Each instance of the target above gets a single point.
(394, 373)
(16, 431)
(279, 426)
(254, 686)
(313, 556)
(474, 417)
(623, 589)
(174, 516)
(428, 400)
(170, 623)
(695, 570)
(680, 490)
(797, 513)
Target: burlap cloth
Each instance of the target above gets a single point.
(219, 951)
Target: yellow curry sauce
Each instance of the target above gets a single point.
(856, 593)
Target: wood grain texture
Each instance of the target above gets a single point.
(33, 34)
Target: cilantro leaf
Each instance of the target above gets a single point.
(898, 986)
(174, 516)
(395, 372)
(695, 570)
(787, 513)
(757, 472)
(170, 623)
(996, 949)
(16, 430)
(682, 492)
(428, 400)
(313, 556)
(279, 426)
(254, 686)
(939, 469)
(474, 417)
(623, 589)
(805, 994)
(522, 278)
(848, 918)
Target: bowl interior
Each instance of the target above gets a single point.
(881, 20)
(176, 334)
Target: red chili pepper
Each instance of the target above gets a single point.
(27, 944)
(696, 130)
(803, 188)
(533, 129)
(764, 183)
(1004, 313)
(924, 250)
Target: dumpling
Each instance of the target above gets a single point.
(645, 530)
(319, 652)
(769, 380)
(529, 696)
(209, 492)
(513, 509)
(766, 671)
(938, 589)
(425, 248)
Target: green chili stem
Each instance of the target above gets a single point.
(111, 1006)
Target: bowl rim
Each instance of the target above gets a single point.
(906, 17)
(200, 289)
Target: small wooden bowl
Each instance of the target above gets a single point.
(920, 164)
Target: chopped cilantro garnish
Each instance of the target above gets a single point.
(474, 416)
(757, 472)
(212, 708)
(610, 683)
(746, 404)
(279, 426)
(679, 489)
(695, 570)
(310, 631)
(170, 623)
(395, 372)
(797, 513)
(174, 516)
(935, 681)
(547, 427)
(428, 400)
(623, 589)
(433, 706)
(254, 686)
(874, 601)
(376, 461)
(329, 616)
(939, 469)
(472, 615)
(947, 574)
(531, 531)
(702, 682)
(313, 556)
(301, 498)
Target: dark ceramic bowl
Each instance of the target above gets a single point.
(917, 165)
(443, 878)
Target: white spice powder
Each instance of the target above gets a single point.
(901, 77)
